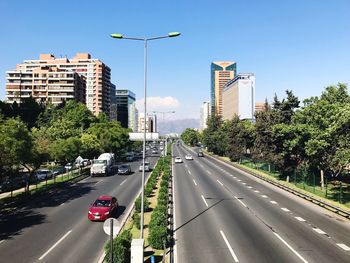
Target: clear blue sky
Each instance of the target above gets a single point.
(300, 45)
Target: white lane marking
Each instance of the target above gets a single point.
(1, 241)
(300, 219)
(62, 204)
(189, 171)
(98, 182)
(102, 257)
(204, 200)
(239, 180)
(273, 202)
(123, 182)
(230, 174)
(51, 248)
(292, 249)
(229, 246)
(241, 202)
(256, 191)
(220, 182)
(234, 176)
(250, 187)
(244, 183)
(264, 196)
(343, 246)
(194, 182)
(320, 231)
(208, 172)
(285, 209)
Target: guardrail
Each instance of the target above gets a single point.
(305, 196)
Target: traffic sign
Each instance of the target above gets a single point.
(115, 226)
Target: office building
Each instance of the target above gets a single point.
(133, 117)
(125, 100)
(204, 115)
(95, 72)
(113, 103)
(238, 97)
(151, 122)
(221, 73)
(46, 84)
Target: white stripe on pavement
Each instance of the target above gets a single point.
(1, 241)
(229, 246)
(320, 231)
(189, 171)
(208, 172)
(194, 182)
(343, 246)
(204, 201)
(250, 187)
(292, 249)
(123, 182)
(220, 182)
(256, 191)
(300, 219)
(264, 196)
(51, 248)
(285, 209)
(241, 202)
(273, 202)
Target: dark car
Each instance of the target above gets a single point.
(58, 170)
(200, 154)
(104, 207)
(124, 169)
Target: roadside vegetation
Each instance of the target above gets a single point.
(34, 135)
(306, 145)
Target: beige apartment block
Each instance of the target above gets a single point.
(45, 84)
(259, 106)
(97, 76)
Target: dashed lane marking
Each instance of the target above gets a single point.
(292, 249)
(220, 182)
(319, 231)
(204, 201)
(229, 246)
(189, 171)
(1, 241)
(273, 202)
(250, 187)
(241, 202)
(300, 219)
(51, 248)
(194, 182)
(123, 182)
(264, 196)
(285, 209)
(256, 191)
(343, 246)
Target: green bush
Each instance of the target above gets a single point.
(121, 248)
(148, 190)
(137, 217)
(164, 183)
(138, 204)
(158, 237)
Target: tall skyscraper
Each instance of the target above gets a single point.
(204, 115)
(95, 72)
(151, 122)
(113, 103)
(238, 97)
(221, 73)
(125, 100)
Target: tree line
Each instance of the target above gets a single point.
(314, 137)
(32, 133)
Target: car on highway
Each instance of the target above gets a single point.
(188, 157)
(124, 169)
(103, 208)
(147, 167)
(178, 160)
(58, 170)
(200, 154)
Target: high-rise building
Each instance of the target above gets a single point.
(151, 122)
(125, 99)
(221, 73)
(238, 97)
(113, 103)
(96, 73)
(46, 84)
(133, 117)
(204, 115)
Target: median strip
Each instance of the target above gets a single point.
(51, 248)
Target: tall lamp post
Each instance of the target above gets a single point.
(145, 41)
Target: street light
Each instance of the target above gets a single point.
(145, 40)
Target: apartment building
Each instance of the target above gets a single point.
(204, 115)
(151, 123)
(46, 84)
(238, 97)
(97, 76)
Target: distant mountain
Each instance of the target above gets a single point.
(177, 126)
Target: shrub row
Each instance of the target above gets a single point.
(121, 248)
(158, 232)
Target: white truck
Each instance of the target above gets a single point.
(103, 165)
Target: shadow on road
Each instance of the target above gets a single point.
(22, 214)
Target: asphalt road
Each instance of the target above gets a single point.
(56, 228)
(225, 215)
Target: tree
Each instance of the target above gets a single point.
(65, 149)
(190, 136)
(215, 135)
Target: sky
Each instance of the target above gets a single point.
(299, 45)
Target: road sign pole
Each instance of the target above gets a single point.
(111, 236)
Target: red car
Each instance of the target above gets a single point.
(104, 207)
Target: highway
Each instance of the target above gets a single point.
(56, 228)
(225, 215)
